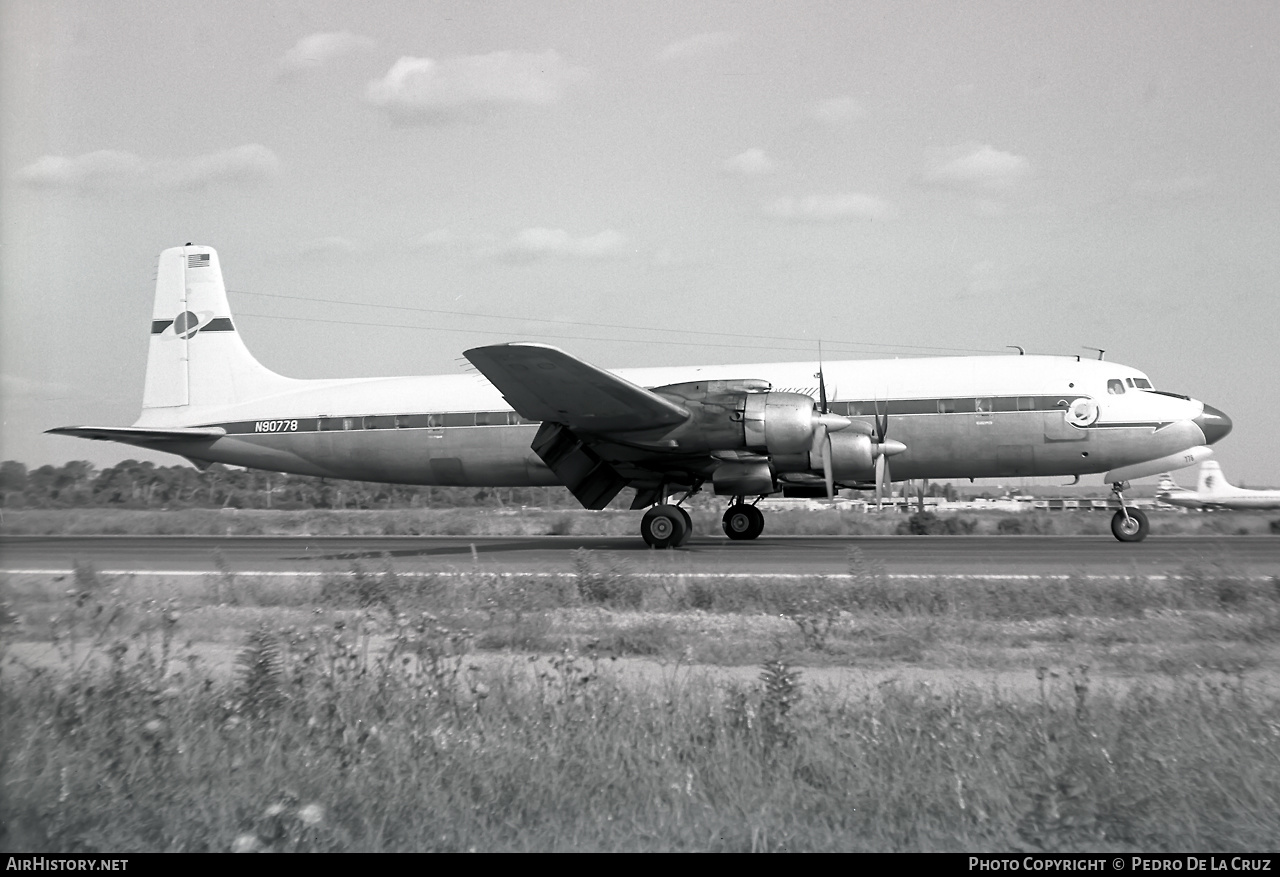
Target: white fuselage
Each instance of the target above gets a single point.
(958, 416)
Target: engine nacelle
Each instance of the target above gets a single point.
(852, 458)
(736, 416)
(778, 423)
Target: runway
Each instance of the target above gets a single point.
(898, 556)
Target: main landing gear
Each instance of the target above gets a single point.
(669, 526)
(743, 521)
(666, 526)
(1128, 525)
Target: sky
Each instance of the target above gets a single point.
(642, 183)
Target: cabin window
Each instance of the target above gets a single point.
(329, 424)
(1115, 387)
(383, 421)
(946, 406)
(491, 418)
(983, 405)
(350, 423)
(1026, 403)
(467, 419)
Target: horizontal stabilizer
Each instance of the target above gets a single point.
(139, 435)
(544, 383)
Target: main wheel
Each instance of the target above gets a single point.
(1133, 528)
(743, 521)
(688, 525)
(663, 526)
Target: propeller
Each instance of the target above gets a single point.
(824, 423)
(883, 448)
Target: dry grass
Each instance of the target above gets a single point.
(368, 710)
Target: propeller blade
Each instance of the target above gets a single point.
(820, 457)
(882, 478)
(827, 474)
(882, 421)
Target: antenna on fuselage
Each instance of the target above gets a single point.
(1021, 352)
(1101, 352)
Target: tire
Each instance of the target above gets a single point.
(743, 521)
(663, 526)
(688, 525)
(1133, 529)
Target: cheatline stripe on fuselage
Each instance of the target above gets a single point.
(991, 405)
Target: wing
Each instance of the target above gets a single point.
(544, 383)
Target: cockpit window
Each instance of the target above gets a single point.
(1115, 386)
(1129, 381)
(1142, 383)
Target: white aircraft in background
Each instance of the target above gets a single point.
(539, 416)
(1214, 492)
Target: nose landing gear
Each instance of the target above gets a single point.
(1128, 525)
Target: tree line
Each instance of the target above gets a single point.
(143, 485)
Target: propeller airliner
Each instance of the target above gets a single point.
(1213, 491)
(536, 415)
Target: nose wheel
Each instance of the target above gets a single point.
(743, 521)
(1128, 525)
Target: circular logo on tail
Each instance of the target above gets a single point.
(186, 324)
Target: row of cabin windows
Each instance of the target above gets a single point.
(976, 405)
(420, 421)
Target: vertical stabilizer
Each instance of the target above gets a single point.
(196, 358)
(1211, 480)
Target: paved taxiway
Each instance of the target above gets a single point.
(1255, 556)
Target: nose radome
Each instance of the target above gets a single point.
(1213, 423)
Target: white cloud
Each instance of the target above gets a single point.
(542, 243)
(699, 44)
(751, 163)
(98, 171)
(837, 110)
(978, 167)
(110, 170)
(832, 208)
(243, 166)
(319, 49)
(425, 90)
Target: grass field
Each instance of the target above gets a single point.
(370, 710)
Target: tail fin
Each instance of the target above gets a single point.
(1211, 478)
(1167, 483)
(196, 358)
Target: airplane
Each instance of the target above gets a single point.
(1214, 492)
(536, 415)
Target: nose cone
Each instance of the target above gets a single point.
(1213, 423)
